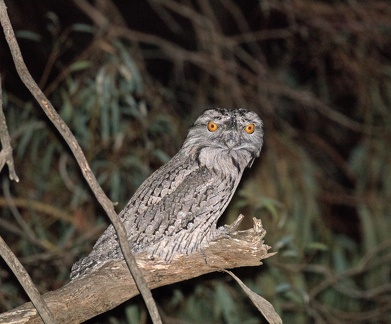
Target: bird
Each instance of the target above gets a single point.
(176, 209)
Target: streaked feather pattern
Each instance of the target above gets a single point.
(176, 209)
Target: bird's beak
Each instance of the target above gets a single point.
(230, 140)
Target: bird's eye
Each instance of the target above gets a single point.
(250, 128)
(212, 127)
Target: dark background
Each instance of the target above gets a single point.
(130, 77)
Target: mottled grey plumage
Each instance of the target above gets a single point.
(176, 209)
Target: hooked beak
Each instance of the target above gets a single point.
(230, 140)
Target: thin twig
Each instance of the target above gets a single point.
(40, 207)
(26, 282)
(28, 232)
(78, 153)
(6, 149)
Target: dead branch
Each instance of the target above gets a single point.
(112, 284)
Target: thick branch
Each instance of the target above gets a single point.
(111, 285)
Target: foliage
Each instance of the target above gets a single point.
(318, 73)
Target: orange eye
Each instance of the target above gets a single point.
(212, 127)
(250, 128)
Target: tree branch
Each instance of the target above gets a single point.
(66, 133)
(26, 282)
(111, 285)
(6, 149)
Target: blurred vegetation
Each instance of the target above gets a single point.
(130, 78)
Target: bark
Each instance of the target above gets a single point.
(112, 284)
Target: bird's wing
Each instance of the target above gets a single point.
(196, 202)
(171, 211)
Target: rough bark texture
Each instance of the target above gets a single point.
(112, 284)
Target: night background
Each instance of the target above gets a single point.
(130, 77)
